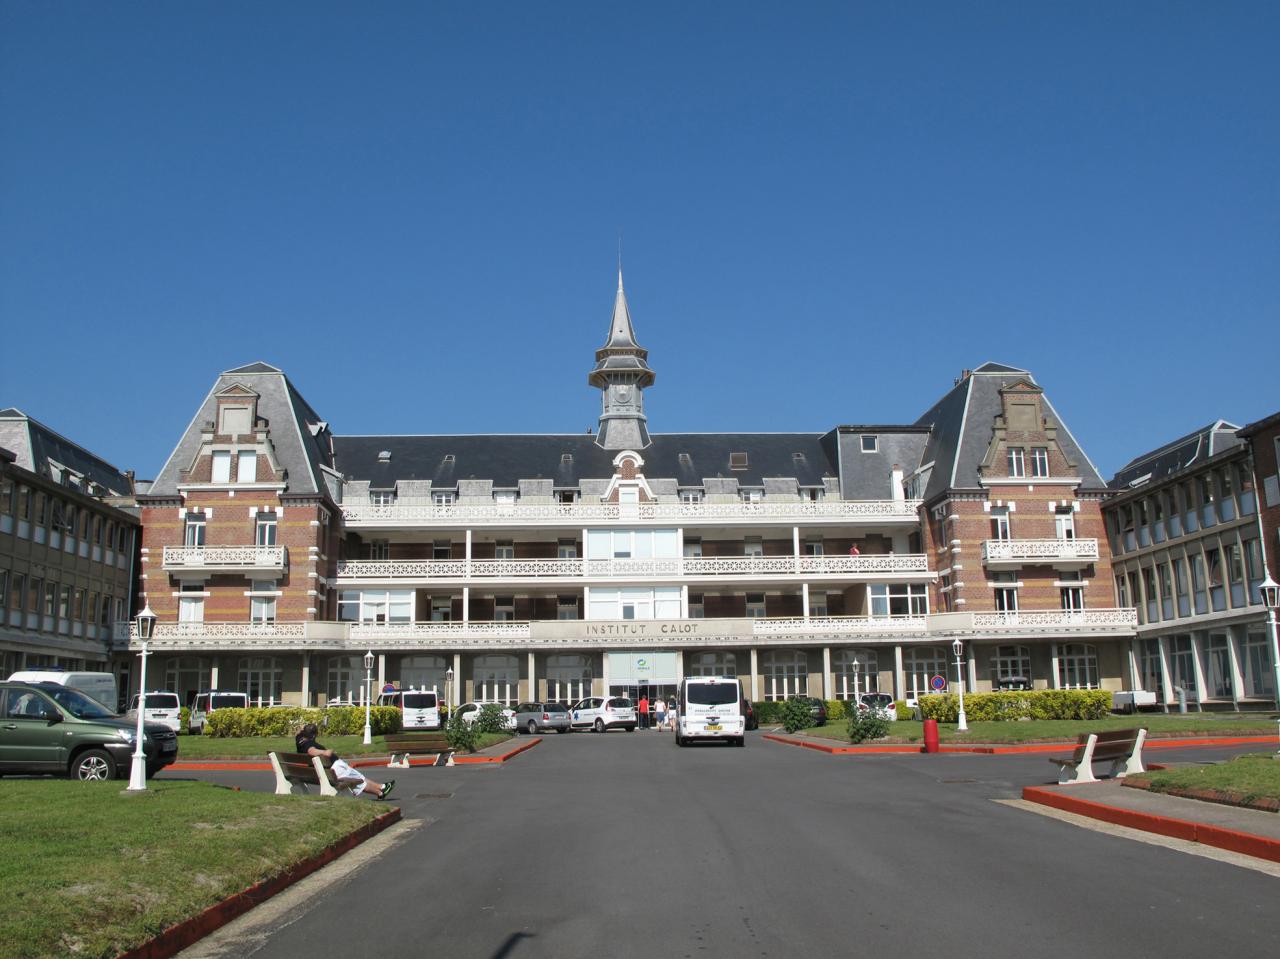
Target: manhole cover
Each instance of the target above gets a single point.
(434, 796)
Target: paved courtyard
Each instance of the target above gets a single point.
(625, 846)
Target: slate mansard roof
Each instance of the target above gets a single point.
(299, 436)
(505, 459)
(1183, 453)
(37, 448)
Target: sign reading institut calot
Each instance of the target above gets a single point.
(650, 632)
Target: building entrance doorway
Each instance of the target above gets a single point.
(667, 692)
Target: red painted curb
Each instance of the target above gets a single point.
(466, 760)
(176, 938)
(1260, 847)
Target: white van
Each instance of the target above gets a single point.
(419, 708)
(162, 707)
(99, 686)
(206, 703)
(710, 707)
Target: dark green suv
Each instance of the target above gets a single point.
(49, 728)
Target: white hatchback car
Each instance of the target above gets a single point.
(162, 707)
(602, 713)
(471, 711)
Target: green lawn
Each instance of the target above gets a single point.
(257, 747)
(1254, 776)
(89, 870)
(1060, 730)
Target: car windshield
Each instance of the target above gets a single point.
(227, 701)
(79, 705)
(161, 701)
(712, 694)
(419, 700)
(555, 708)
(619, 703)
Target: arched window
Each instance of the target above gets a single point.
(423, 672)
(1010, 664)
(713, 664)
(186, 676)
(262, 678)
(344, 679)
(569, 678)
(1078, 666)
(786, 674)
(496, 678)
(920, 664)
(855, 671)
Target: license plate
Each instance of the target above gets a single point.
(168, 747)
(713, 727)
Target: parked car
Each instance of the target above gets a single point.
(540, 717)
(419, 708)
(471, 711)
(205, 704)
(162, 706)
(881, 701)
(749, 713)
(817, 709)
(602, 713)
(51, 728)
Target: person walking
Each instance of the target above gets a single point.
(644, 710)
(660, 713)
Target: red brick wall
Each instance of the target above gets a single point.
(1264, 465)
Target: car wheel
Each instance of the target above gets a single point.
(630, 729)
(740, 741)
(532, 727)
(93, 765)
(561, 729)
(599, 726)
(679, 740)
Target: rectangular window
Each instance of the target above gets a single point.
(1000, 523)
(566, 549)
(751, 495)
(504, 549)
(1039, 461)
(442, 499)
(1149, 594)
(221, 467)
(441, 609)
(1217, 591)
(504, 497)
(349, 606)
(691, 497)
(1198, 585)
(898, 599)
(628, 495)
(697, 609)
(441, 549)
(692, 548)
(1166, 590)
(262, 608)
(1064, 521)
(870, 442)
(755, 606)
(504, 608)
(817, 604)
(191, 608)
(813, 547)
(753, 546)
(264, 529)
(382, 497)
(1180, 587)
(1073, 598)
(193, 529)
(247, 468)
(1122, 594)
(379, 549)
(1017, 461)
(566, 607)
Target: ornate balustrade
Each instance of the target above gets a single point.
(843, 625)
(1016, 552)
(230, 558)
(1122, 620)
(632, 569)
(357, 515)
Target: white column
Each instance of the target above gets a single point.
(533, 680)
(795, 549)
(899, 677)
(1055, 677)
(680, 555)
(457, 680)
(1166, 681)
(804, 599)
(1134, 674)
(1197, 648)
(604, 672)
(684, 601)
(971, 669)
(679, 666)
(755, 675)
(306, 680)
(827, 691)
(468, 554)
(213, 675)
(1233, 653)
(586, 599)
(466, 604)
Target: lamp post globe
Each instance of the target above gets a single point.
(368, 677)
(957, 647)
(146, 624)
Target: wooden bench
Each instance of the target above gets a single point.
(302, 770)
(1121, 747)
(403, 745)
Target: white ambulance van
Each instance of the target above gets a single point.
(710, 707)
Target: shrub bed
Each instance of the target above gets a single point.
(286, 720)
(1031, 704)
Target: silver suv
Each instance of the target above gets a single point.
(540, 717)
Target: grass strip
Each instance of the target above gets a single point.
(1064, 730)
(90, 870)
(1251, 777)
(195, 748)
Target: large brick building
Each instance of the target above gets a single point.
(275, 553)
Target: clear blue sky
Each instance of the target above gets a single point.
(828, 211)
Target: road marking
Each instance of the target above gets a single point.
(247, 934)
(1150, 838)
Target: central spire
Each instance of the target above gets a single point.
(622, 371)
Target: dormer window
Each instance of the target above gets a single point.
(247, 467)
(737, 461)
(691, 497)
(504, 497)
(870, 443)
(1017, 461)
(442, 499)
(566, 459)
(382, 497)
(752, 495)
(384, 456)
(685, 459)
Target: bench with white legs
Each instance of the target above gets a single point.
(1121, 747)
(403, 745)
(299, 769)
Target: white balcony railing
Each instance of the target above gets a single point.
(1056, 620)
(1016, 552)
(374, 570)
(358, 515)
(225, 557)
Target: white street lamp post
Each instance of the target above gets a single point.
(962, 725)
(138, 767)
(1271, 599)
(368, 678)
(448, 689)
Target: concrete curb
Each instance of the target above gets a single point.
(365, 762)
(1001, 750)
(1260, 847)
(176, 938)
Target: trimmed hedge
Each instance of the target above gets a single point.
(287, 720)
(1031, 704)
(836, 710)
(768, 713)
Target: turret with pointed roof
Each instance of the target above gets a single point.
(622, 372)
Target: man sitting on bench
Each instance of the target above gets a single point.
(346, 775)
